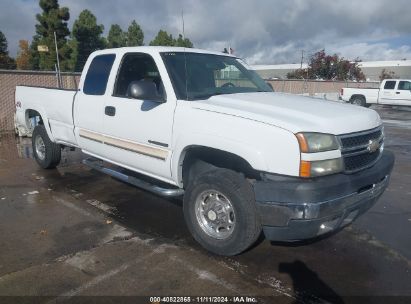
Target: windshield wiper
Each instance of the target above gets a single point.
(207, 96)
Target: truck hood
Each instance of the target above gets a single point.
(292, 112)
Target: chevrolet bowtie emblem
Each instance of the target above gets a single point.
(373, 145)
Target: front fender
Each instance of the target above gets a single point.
(265, 147)
(252, 156)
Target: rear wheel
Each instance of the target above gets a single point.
(359, 101)
(220, 212)
(46, 153)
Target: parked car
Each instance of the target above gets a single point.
(245, 160)
(391, 92)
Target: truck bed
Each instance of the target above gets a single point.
(55, 107)
(370, 94)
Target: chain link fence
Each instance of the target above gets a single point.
(314, 87)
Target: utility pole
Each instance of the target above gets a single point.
(302, 59)
(58, 62)
(182, 19)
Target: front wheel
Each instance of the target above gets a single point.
(220, 212)
(46, 153)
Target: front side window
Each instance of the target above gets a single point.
(200, 76)
(137, 67)
(389, 85)
(404, 85)
(97, 74)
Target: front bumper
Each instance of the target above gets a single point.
(294, 209)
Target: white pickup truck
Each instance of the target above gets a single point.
(199, 124)
(396, 92)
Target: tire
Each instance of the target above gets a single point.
(229, 188)
(46, 153)
(359, 101)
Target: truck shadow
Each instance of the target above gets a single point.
(304, 279)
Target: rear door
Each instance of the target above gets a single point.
(89, 104)
(403, 93)
(138, 132)
(387, 92)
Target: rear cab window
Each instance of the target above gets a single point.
(390, 85)
(98, 73)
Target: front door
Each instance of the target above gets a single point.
(387, 93)
(403, 93)
(138, 132)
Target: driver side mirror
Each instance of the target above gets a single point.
(145, 90)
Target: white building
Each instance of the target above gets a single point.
(371, 69)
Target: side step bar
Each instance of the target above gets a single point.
(97, 164)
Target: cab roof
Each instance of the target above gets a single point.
(157, 49)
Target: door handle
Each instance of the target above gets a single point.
(110, 111)
(397, 92)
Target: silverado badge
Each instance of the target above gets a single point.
(373, 145)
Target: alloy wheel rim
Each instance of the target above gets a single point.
(40, 147)
(215, 214)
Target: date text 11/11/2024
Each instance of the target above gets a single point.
(204, 299)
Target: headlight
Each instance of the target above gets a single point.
(320, 167)
(316, 142)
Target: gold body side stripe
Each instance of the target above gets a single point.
(91, 135)
(123, 144)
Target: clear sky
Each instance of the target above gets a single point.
(261, 31)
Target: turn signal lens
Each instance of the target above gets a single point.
(302, 142)
(305, 168)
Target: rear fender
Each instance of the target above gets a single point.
(43, 117)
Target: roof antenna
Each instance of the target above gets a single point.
(185, 58)
(182, 18)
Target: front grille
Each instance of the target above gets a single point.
(358, 149)
(353, 163)
(360, 140)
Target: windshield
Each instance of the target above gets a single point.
(200, 76)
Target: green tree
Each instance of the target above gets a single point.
(135, 35)
(163, 39)
(34, 55)
(183, 42)
(52, 19)
(329, 67)
(116, 37)
(6, 62)
(86, 38)
(3, 44)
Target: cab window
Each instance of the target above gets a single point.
(389, 85)
(404, 85)
(137, 67)
(97, 74)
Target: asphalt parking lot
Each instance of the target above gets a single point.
(75, 232)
